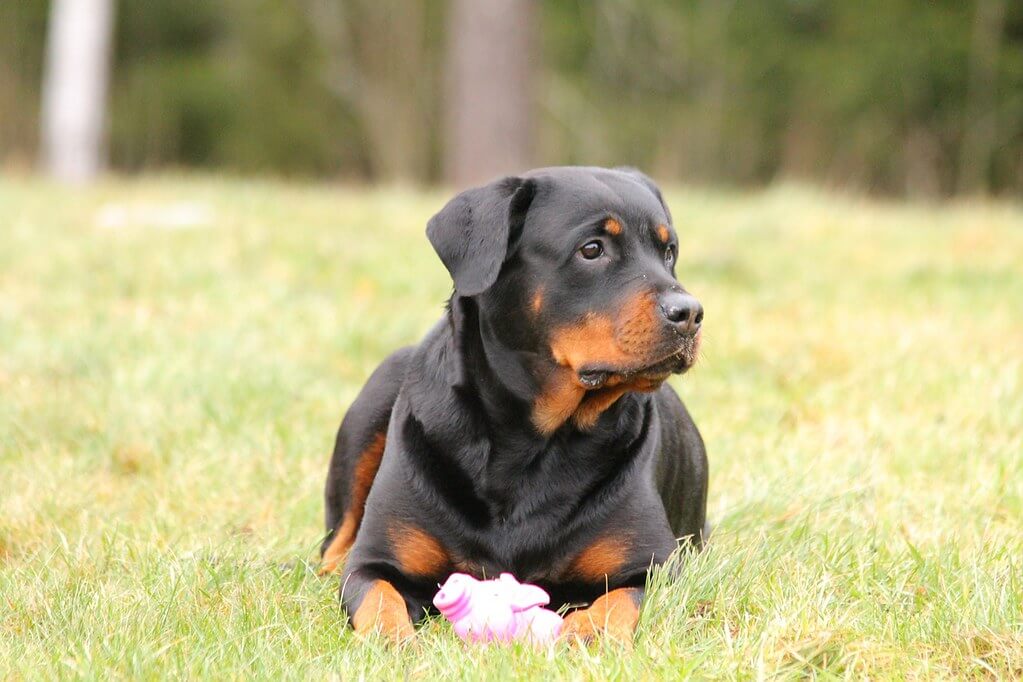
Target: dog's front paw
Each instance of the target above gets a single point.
(383, 612)
(613, 615)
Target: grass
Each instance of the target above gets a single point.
(168, 400)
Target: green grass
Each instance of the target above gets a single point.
(168, 401)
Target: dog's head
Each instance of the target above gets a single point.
(577, 265)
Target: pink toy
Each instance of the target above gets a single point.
(497, 610)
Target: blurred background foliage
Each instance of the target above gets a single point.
(903, 97)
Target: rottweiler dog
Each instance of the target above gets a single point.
(531, 430)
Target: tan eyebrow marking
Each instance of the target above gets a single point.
(663, 234)
(613, 227)
(537, 302)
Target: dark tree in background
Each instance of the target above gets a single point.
(919, 98)
(380, 60)
(489, 103)
(981, 121)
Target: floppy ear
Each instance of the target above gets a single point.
(649, 183)
(522, 596)
(474, 233)
(528, 596)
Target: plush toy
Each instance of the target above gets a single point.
(497, 610)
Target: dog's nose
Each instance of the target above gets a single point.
(682, 310)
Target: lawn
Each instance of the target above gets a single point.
(169, 395)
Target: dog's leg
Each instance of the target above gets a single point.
(357, 454)
(375, 606)
(614, 614)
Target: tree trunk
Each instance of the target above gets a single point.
(379, 62)
(75, 88)
(390, 51)
(489, 99)
(981, 133)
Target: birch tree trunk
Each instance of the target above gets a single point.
(488, 126)
(78, 46)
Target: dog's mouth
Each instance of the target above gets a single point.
(678, 361)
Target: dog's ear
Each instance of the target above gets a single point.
(477, 230)
(648, 183)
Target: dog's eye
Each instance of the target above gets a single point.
(591, 250)
(669, 255)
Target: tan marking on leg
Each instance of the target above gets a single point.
(418, 552)
(383, 610)
(614, 615)
(362, 480)
(338, 548)
(365, 471)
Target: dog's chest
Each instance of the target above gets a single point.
(539, 506)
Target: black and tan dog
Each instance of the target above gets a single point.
(531, 431)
